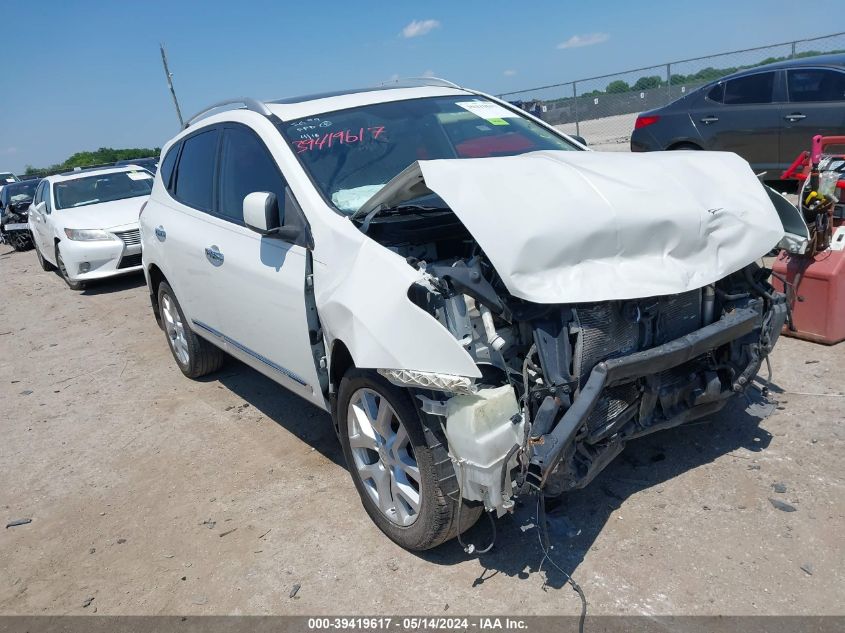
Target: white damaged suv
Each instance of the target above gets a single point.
(486, 308)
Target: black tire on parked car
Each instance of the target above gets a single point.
(394, 461)
(686, 146)
(45, 265)
(195, 356)
(73, 285)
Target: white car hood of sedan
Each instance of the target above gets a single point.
(568, 227)
(104, 215)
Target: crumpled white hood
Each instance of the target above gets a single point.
(567, 227)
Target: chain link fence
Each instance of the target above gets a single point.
(603, 109)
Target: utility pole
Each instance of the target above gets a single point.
(169, 76)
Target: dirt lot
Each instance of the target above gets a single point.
(153, 494)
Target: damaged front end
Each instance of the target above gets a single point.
(588, 328)
(564, 387)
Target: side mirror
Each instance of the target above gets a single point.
(580, 139)
(261, 212)
(41, 207)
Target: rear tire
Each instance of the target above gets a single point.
(73, 285)
(195, 356)
(45, 265)
(401, 470)
(686, 146)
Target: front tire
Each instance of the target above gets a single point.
(402, 471)
(73, 285)
(195, 356)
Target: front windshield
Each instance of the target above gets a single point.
(80, 192)
(21, 192)
(353, 153)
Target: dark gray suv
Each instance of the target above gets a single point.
(767, 114)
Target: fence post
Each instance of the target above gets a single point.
(668, 83)
(575, 105)
(793, 50)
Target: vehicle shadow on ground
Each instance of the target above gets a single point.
(304, 420)
(115, 284)
(579, 516)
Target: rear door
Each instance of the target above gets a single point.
(181, 225)
(257, 283)
(740, 115)
(816, 106)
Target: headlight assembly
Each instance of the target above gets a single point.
(429, 380)
(88, 235)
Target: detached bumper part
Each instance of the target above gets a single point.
(549, 449)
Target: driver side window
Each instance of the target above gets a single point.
(246, 166)
(46, 196)
(38, 191)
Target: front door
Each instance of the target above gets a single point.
(259, 281)
(816, 106)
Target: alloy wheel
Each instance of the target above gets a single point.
(175, 329)
(384, 457)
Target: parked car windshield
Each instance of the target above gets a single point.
(20, 191)
(80, 192)
(351, 154)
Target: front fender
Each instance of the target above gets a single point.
(366, 306)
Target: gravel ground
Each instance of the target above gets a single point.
(609, 134)
(153, 494)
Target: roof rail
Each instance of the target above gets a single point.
(425, 81)
(253, 105)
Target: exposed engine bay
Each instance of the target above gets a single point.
(565, 386)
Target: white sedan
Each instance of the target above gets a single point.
(85, 223)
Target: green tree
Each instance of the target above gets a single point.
(617, 86)
(101, 156)
(648, 83)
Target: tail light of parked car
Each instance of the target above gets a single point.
(644, 121)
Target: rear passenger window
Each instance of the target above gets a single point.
(167, 165)
(246, 166)
(717, 93)
(816, 84)
(751, 89)
(195, 173)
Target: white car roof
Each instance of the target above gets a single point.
(311, 105)
(83, 173)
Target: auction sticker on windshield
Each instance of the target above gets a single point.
(139, 175)
(491, 112)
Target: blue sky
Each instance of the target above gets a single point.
(91, 75)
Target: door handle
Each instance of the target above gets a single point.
(161, 234)
(214, 255)
(795, 116)
(709, 119)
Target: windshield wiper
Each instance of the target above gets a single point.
(401, 208)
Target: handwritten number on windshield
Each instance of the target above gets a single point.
(332, 139)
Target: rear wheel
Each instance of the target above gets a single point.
(195, 356)
(73, 285)
(402, 472)
(686, 146)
